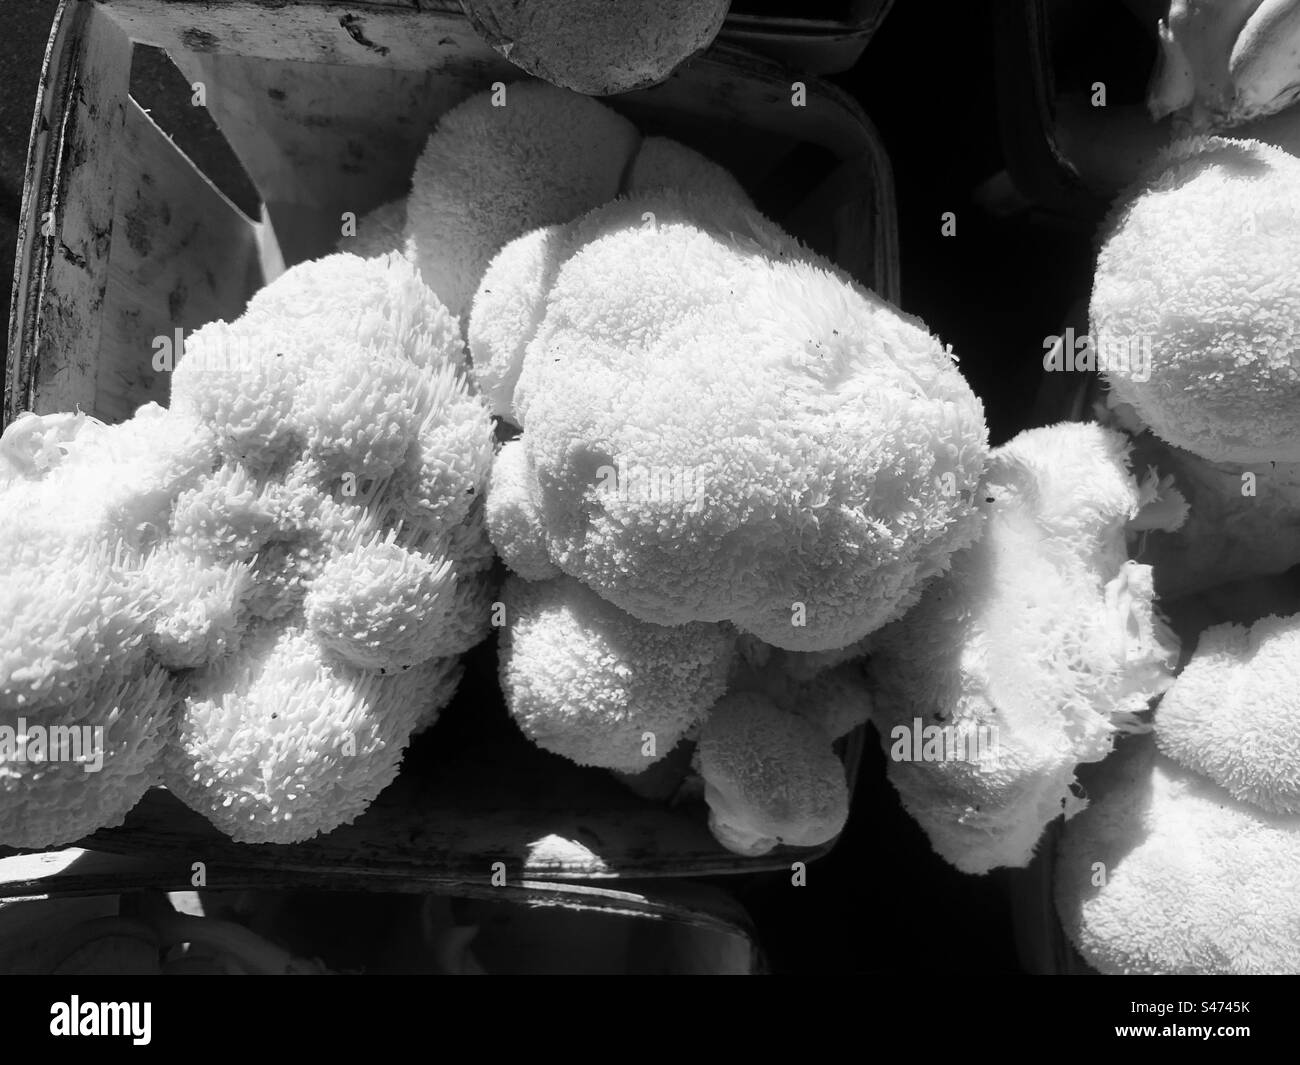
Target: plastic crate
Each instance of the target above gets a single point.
(827, 37)
(659, 927)
(122, 239)
(1065, 155)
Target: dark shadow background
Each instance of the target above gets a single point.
(882, 902)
